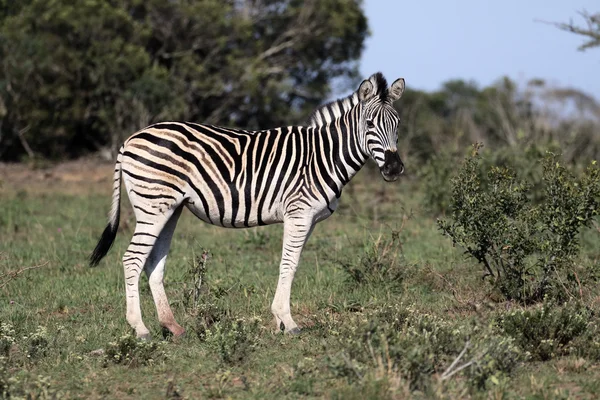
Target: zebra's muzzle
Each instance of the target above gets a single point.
(392, 167)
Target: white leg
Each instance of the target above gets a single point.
(296, 232)
(155, 269)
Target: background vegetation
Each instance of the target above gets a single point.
(474, 277)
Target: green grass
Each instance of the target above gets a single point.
(83, 309)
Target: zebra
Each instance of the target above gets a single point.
(237, 178)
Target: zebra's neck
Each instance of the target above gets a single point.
(338, 123)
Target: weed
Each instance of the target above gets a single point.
(7, 338)
(199, 300)
(494, 358)
(380, 264)
(305, 374)
(197, 274)
(131, 351)
(408, 347)
(38, 343)
(546, 332)
(233, 339)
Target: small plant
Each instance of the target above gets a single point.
(494, 358)
(197, 274)
(233, 339)
(199, 300)
(7, 338)
(304, 376)
(131, 351)
(527, 248)
(548, 331)
(413, 346)
(38, 343)
(381, 263)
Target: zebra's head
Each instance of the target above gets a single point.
(379, 123)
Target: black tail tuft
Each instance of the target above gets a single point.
(105, 243)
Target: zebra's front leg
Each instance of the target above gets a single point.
(295, 234)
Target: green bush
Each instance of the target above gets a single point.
(131, 351)
(380, 264)
(548, 331)
(435, 177)
(496, 356)
(527, 247)
(7, 338)
(415, 345)
(38, 343)
(233, 339)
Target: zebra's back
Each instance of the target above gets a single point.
(226, 177)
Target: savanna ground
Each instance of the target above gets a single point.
(380, 260)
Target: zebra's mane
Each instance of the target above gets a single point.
(329, 112)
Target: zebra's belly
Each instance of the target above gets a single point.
(231, 215)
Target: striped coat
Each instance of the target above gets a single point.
(236, 179)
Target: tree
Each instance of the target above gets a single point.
(77, 76)
(591, 30)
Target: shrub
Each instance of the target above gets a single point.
(131, 351)
(38, 343)
(437, 173)
(528, 248)
(381, 263)
(435, 177)
(7, 338)
(413, 346)
(233, 339)
(494, 358)
(546, 332)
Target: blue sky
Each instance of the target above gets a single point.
(428, 42)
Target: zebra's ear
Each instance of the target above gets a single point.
(395, 91)
(365, 90)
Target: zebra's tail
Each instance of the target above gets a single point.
(110, 232)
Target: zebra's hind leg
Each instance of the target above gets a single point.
(155, 270)
(296, 232)
(147, 231)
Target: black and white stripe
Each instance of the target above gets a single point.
(236, 178)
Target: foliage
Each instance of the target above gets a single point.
(591, 30)
(418, 345)
(75, 77)
(7, 338)
(437, 173)
(38, 343)
(133, 352)
(233, 339)
(435, 176)
(546, 332)
(502, 115)
(380, 264)
(527, 248)
(197, 274)
(331, 358)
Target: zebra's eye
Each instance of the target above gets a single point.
(370, 124)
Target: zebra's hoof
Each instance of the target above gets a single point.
(145, 337)
(294, 331)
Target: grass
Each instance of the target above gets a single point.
(82, 310)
